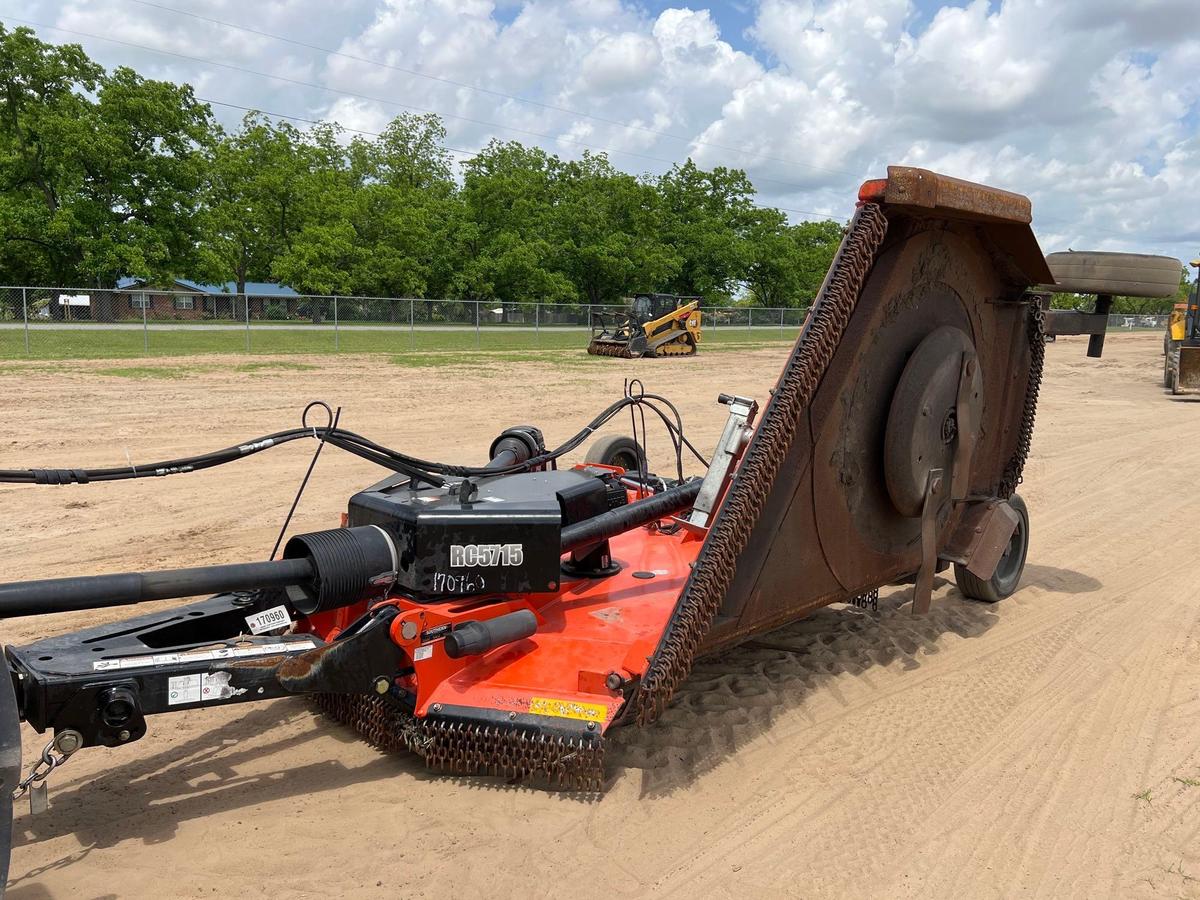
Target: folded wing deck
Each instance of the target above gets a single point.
(808, 522)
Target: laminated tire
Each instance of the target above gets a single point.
(617, 450)
(1010, 568)
(1120, 274)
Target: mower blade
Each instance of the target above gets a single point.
(10, 767)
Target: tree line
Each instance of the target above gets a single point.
(109, 174)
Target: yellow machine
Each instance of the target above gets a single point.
(1181, 344)
(654, 325)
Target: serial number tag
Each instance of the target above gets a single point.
(568, 709)
(269, 620)
(467, 555)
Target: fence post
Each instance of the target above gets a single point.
(25, 313)
(749, 316)
(145, 327)
(781, 321)
(246, 301)
(336, 345)
(477, 302)
(412, 337)
(537, 323)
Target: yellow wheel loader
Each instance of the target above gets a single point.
(1181, 344)
(654, 325)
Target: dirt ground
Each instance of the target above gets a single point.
(1046, 746)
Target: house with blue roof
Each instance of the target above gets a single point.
(185, 299)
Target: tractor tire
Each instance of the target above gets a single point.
(1119, 274)
(617, 450)
(1010, 568)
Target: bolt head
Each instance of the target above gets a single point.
(437, 707)
(68, 741)
(614, 681)
(383, 684)
(122, 735)
(591, 726)
(408, 630)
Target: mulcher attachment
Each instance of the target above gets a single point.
(598, 347)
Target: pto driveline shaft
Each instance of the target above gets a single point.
(29, 598)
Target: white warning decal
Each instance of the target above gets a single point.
(164, 659)
(200, 688)
(269, 619)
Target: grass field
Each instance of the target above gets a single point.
(126, 343)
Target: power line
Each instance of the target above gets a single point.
(491, 92)
(319, 87)
(373, 99)
(279, 115)
(548, 106)
(467, 154)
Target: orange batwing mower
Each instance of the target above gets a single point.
(502, 618)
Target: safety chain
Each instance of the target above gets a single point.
(464, 748)
(66, 743)
(1037, 359)
(713, 572)
(869, 600)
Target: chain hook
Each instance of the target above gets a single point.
(66, 742)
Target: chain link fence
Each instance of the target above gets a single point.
(65, 322)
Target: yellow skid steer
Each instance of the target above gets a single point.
(654, 325)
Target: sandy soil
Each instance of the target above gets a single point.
(1044, 746)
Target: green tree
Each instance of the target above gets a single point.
(100, 171)
(706, 220)
(375, 216)
(257, 179)
(606, 229)
(504, 241)
(787, 263)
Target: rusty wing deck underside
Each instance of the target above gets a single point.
(808, 521)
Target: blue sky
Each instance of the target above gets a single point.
(1091, 107)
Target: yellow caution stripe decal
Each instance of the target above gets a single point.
(568, 709)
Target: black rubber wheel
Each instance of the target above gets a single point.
(1008, 571)
(1124, 274)
(617, 450)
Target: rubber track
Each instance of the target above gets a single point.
(710, 579)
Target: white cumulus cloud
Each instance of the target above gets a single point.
(1092, 107)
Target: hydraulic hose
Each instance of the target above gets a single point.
(626, 518)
